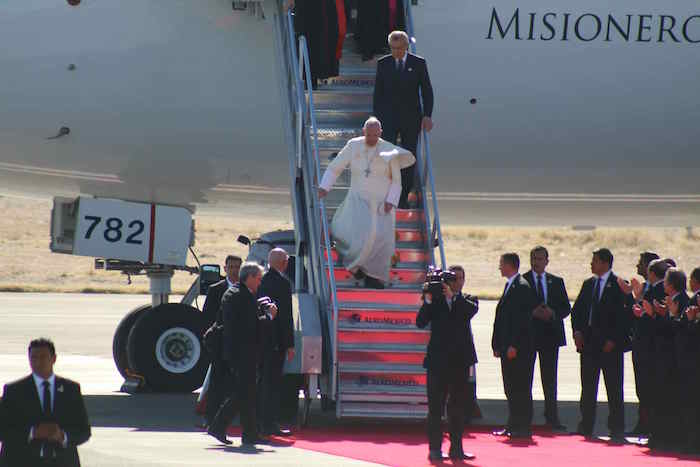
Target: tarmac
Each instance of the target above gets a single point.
(152, 430)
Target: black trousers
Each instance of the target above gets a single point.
(611, 364)
(409, 132)
(549, 360)
(644, 375)
(688, 390)
(442, 385)
(517, 384)
(469, 401)
(270, 385)
(220, 388)
(667, 395)
(243, 402)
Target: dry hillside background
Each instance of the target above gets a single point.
(29, 266)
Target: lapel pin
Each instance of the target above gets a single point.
(60, 388)
(410, 69)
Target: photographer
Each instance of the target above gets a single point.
(245, 320)
(450, 352)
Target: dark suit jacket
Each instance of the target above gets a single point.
(550, 334)
(665, 332)
(212, 305)
(451, 343)
(278, 288)
(684, 338)
(644, 327)
(243, 330)
(22, 411)
(512, 325)
(612, 317)
(396, 100)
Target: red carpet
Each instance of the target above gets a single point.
(406, 445)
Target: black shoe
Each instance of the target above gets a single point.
(520, 434)
(617, 438)
(359, 274)
(436, 456)
(221, 437)
(253, 441)
(276, 431)
(556, 425)
(503, 432)
(372, 283)
(461, 455)
(584, 433)
(247, 446)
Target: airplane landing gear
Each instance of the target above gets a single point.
(164, 346)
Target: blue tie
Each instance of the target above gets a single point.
(540, 289)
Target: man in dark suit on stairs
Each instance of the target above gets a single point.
(44, 415)
(400, 77)
(512, 342)
(601, 322)
(548, 324)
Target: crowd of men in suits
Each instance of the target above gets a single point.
(257, 338)
(655, 319)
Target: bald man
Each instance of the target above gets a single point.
(278, 343)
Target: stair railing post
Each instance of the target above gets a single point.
(332, 290)
(428, 163)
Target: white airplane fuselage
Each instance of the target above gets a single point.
(179, 103)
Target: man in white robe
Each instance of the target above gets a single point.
(363, 225)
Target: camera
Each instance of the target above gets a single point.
(264, 305)
(434, 280)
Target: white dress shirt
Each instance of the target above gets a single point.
(604, 281)
(402, 60)
(39, 382)
(509, 283)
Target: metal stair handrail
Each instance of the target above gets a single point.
(425, 170)
(307, 138)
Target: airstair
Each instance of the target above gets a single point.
(373, 350)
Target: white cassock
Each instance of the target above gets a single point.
(364, 234)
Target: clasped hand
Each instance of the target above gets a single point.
(48, 432)
(542, 312)
(511, 353)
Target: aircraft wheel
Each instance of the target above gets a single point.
(165, 347)
(121, 336)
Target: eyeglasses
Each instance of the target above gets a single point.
(398, 47)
